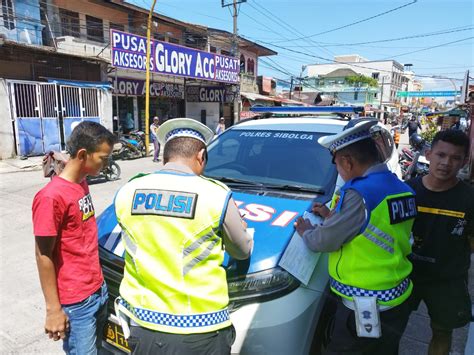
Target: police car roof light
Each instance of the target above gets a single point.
(307, 109)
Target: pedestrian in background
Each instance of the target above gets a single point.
(220, 126)
(178, 224)
(66, 244)
(396, 135)
(413, 125)
(367, 235)
(443, 238)
(154, 136)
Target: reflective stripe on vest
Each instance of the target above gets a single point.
(382, 235)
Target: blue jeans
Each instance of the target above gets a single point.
(87, 319)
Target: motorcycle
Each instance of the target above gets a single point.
(412, 160)
(54, 162)
(130, 146)
(111, 171)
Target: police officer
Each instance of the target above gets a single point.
(175, 225)
(367, 237)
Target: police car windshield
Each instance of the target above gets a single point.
(272, 158)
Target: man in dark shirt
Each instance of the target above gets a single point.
(413, 126)
(443, 233)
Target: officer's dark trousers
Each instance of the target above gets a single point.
(145, 341)
(344, 339)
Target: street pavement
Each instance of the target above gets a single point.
(21, 300)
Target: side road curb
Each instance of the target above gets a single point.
(18, 165)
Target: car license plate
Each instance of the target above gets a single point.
(113, 335)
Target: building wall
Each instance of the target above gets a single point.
(132, 21)
(389, 72)
(193, 110)
(105, 110)
(25, 26)
(7, 142)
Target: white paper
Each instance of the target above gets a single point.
(297, 259)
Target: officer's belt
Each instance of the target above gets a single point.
(382, 295)
(180, 321)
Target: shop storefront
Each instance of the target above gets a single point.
(179, 63)
(166, 101)
(208, 103)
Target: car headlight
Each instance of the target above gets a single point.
(260, 286)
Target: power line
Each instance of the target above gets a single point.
(354, 23)
(430, 34)
(428, 48)
(278, 20)
(346, 63)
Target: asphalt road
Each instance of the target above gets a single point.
(21, 301)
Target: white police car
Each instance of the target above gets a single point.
(276, 170)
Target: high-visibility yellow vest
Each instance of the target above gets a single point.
(375, 262)
(173, 280)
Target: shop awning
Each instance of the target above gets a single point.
(81, 84)
(255, 97)
(453, 112)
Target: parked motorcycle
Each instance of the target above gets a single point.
(54, 162)
(130, 146)
(412, 160)
(111, 171)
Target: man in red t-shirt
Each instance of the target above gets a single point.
(67, 243)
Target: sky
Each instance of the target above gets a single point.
(435, 36)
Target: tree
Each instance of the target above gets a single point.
(361, 79)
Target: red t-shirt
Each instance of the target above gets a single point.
(64, 210)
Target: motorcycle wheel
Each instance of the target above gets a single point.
(113, 172)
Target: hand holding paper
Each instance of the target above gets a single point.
(297, 259)
(305, 222)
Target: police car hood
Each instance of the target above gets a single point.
(270, 219)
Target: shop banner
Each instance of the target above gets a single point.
(131, 87)
(209, 94)
(129, 51)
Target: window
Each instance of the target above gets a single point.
(356, 96)
(95, 29)
(213, 49)
(159, 36)
(116, 26)
(173, 40)
(8, 14)
(242, 63)
(223, 52)
(251, 66)
(268, 157)
(69, 23)
(375, 76)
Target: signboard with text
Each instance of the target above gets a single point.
(427, 93)
(209, 94)
(129, 52)
(132, 87)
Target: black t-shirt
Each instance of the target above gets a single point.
(441, 232)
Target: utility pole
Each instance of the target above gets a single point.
(235, 51)
(382, 113)
(147, 81)
(291, 88)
